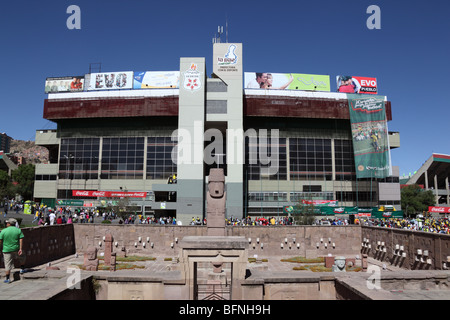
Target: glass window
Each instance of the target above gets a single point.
(257, 169)
(119, 159)
(159, 157)
(77, 156)
(309, 164)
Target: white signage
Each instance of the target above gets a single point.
(111, 81)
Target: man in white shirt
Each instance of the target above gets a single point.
(52, 217)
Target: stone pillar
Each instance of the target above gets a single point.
(108, 249)
(113, 262)
(90, 259)
(215, 203)
(364, 262)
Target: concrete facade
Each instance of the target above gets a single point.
(207, 121)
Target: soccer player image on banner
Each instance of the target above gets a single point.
(370, 136)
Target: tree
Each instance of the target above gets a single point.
(304, 214)
(24, 176)
(415, 199)
(6, 187)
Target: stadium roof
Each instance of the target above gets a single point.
(438, 165)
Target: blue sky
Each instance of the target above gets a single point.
(409, 55)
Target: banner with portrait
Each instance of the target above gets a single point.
(156, 79)
(111, 80)
(64, 84)
(286, 81)
(370, 136)
(352, 84)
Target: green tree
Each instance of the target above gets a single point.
(24, 176)
(6, 187)
(304, 214)
(415, 199)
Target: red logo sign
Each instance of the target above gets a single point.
(439, 209)
(108, 194)
(368, 85)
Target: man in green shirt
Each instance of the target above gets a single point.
(11, 239)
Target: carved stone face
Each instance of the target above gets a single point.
(216, 189)
(216, 185)
(91, 253)
(340, 263)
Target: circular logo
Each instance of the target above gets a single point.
(360, 167)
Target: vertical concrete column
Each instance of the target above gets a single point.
(436, 191)
(447, 187)
(191, 124)
(333, 162)
(227, 65)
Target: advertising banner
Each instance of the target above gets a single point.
(439, 209)
(76, 203)
(64, 84)
(352, 84)
(329, 203)
(227, 60)
(111, 81)
(370, 136)
(156, 79)
(108, 194)
(286, 81)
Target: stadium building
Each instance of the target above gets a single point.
(434, 175)
(125, 136)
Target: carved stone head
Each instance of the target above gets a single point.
(216, 185)
(91, 253)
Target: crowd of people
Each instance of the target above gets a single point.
(259, 221)
(428, 224)
(44, 215)
(140, 219)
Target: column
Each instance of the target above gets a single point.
(191, 124)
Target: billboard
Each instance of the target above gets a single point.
(108, 194)
(156, 79)
(64, 84)
(286, 81)
(329, 203)
(352, 84)
(111, 80)
(369, 136)
(227, 60)
(439, 209)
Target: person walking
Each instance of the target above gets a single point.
(11, 241)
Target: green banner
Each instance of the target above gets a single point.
(369, 135)
(76, 203)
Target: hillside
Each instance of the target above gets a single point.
(29, 151)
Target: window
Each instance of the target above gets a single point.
(159, 158)
(123, 158)
(310, 159)
(45, 177)
(78, 158)
(267, 196)
(344, 160)
(261, 161)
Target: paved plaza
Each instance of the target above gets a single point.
(43, 282)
